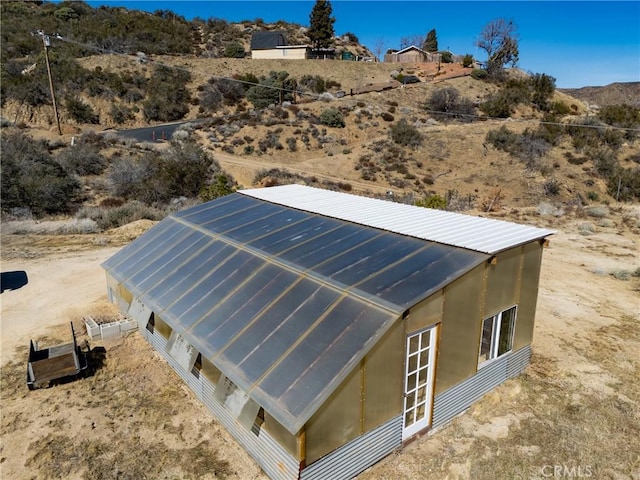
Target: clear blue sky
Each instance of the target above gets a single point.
(579, 43)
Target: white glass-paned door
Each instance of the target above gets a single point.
(418, 395)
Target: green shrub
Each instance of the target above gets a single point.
(234, 50)
(82, 159)
(625, 186)
(467, 60)
(332, 118)
(387, 117)
(292, 143)
(182, 170)
(590, 133)
(503, 103)
(560, 108)
(274, 89)
(551, 187)
(81, 112)
(550, 130)
(606, 162)
(315, 83)
(446, 57)
(405, 134)
(32, 179)
(528, 146)
(220, 187)
(446, 104)
(432, 201)
(168, 96)
(543, 87)
(479, 74)
(120, 113)
(622, 116)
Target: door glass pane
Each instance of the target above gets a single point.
(422, 394)
(413, 363)
(411, 382)
(408, 418)
(422, 376)
(424, 358)
(420, 412)
(424, 341)
(413, 344)
(411, 400)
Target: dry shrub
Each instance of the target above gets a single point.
(492, 202)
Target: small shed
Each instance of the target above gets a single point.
(324, 330)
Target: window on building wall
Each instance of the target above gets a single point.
(497, 335)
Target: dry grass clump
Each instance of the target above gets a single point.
(73, 226)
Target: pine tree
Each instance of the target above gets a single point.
(431, 42)
(321, 24)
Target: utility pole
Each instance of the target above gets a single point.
(46, 42)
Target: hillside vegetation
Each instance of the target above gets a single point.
(457, 141)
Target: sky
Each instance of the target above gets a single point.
(579, 43)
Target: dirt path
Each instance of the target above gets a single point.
(59, 288)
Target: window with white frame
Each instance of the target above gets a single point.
(497, 335)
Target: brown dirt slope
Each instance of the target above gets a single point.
(613, 94)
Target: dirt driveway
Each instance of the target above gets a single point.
(577, 405)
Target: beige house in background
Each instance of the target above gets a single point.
(288, 52)
(273, 45)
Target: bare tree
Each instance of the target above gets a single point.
(499, 39)
(417, 40)
(379, 45)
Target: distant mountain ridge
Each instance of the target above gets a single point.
(612, 94)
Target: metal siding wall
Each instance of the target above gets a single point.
(502, 282)
(338, 420)
(426, 313)
(532, 256)
(457, 357)
(356, 456)
(383, 379)
(518, 361)
(272, 458)
(450, 403)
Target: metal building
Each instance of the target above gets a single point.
(324, 329)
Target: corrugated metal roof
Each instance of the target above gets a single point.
(484, 235)
(284, 302)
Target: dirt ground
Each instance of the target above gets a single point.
(574, 410)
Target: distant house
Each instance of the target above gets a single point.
(411, 54)
(273, 45)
